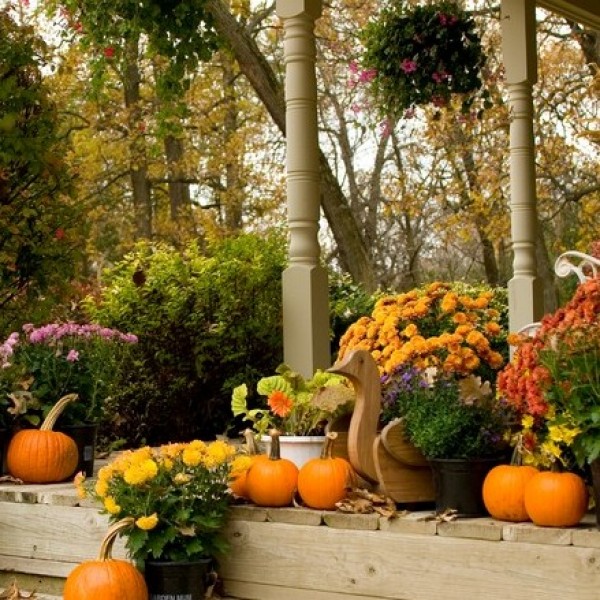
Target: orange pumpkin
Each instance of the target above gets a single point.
(106, 578)
(42, 455)
(504, 488)
(272, 482)
(238, 485)
(323, 481)
(554, 499)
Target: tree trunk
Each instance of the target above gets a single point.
(353, 253)
(142, 202)
(179, 191)
(233, 202)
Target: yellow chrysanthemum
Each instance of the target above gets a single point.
(562, 433)
(141, 472)
(182, 478)
(527, 422)
(101, 487)
(240, 464)
(147, 523)
(191, 457)
(79, 482)
(111, 506)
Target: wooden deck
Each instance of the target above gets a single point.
(301, 554)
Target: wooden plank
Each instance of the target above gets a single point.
(396, 566)
(45, 531)
(34, 566)
(258, 591)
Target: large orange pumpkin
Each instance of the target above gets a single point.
(323, 481)
(42, 455)
(504, 488)
(106, 578)
(555, 499)
(238, 485)
(272, 482)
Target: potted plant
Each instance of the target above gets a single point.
(178, 496)
(41, 364)
(458, 425)
(553, 382)
(416, 55)
(454, 330)
(455, 327)
(297, 407)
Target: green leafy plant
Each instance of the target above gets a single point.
(417, 55)
(447, 415)
(553, 382)
(207, 320)
(41, 364)
(295, 406)
(572, 360)
(177, 494)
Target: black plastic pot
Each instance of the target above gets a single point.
(85, 438)
(5, 435)
(178, 580)
(458, 484)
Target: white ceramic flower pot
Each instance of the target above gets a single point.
(297, 448)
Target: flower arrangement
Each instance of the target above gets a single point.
(177, 494)
(456, 328)
(417, 55)
(41, 364)
(446, 415)
(295, 406)
(553, 382)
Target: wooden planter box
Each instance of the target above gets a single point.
(300, 554)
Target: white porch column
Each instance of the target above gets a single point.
(305, 293)
(525, 292)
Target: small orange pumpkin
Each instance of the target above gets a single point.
(238, 485)
(504, 489)
(272, 482)
(323, 481)
(554, 499)
(106, 578)
(42, 455)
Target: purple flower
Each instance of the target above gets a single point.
(408, 66)
(73, 355)
(353, 67)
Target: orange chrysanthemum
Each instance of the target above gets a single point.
(280, 403)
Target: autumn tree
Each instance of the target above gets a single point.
(36, 216)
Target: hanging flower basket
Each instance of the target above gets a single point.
(418, 55)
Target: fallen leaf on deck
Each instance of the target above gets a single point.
(361, 501)
(10, 479)
(13, 593)
(450, 514)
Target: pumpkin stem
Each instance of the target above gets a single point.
(111, 536)
(251, 445)
(327, 449)
(55, 411)
(275, 453)
(517, 456)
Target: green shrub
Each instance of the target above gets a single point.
(205, 323)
